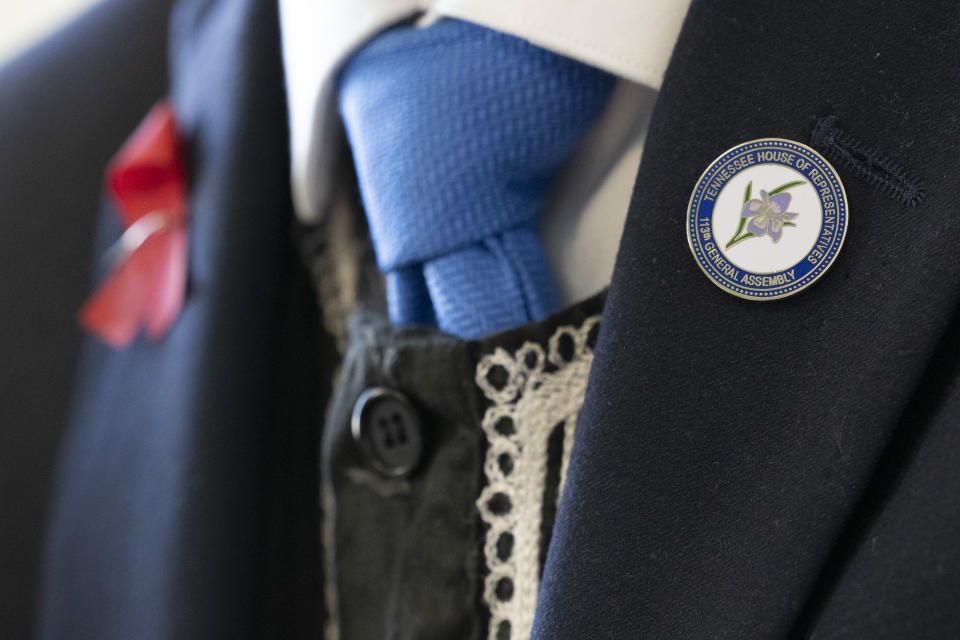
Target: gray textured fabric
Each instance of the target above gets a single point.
(404, 551)
(403, 556)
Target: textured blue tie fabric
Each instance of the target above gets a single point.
(457, 132)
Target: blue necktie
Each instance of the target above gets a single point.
(457, 132)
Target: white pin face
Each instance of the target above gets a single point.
(767, 219)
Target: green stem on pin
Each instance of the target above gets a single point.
(743, 221)
(784, 187)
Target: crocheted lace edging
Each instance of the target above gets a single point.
(532, 393)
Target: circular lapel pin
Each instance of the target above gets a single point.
(767, 219)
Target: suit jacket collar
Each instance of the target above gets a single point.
(727, 447)
(158, 525)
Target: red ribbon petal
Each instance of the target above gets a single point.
(146, 287)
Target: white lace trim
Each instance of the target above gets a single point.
(540, 392)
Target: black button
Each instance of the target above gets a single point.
(387, 427)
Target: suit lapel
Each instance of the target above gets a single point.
(157, 530)
(725, 444)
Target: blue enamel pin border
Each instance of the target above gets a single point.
(695, 212)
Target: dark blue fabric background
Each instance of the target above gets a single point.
(167, 508)
(65, 106)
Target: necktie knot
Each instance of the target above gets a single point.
(457, 132)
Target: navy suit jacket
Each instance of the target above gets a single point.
(785, 469)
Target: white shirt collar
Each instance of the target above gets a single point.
(630, 38)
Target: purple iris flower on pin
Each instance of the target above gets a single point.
(768, 215)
